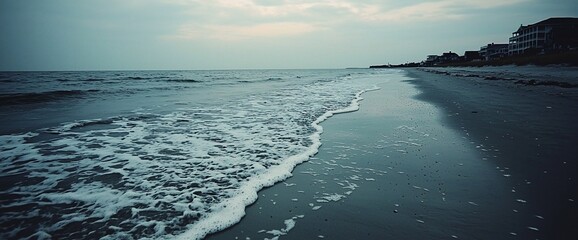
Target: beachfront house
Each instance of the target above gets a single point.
(548, 35)
(449, 57)
(493, 51)
(431, 60)
(472, 56)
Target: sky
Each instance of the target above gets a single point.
(38, 35)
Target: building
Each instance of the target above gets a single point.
(449, 57)
(547, 35)
(440, 59)
(493, 51)
(431, 60)
(472, 56)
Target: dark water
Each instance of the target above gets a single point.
(153, 154)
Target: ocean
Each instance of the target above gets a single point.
(157, 154)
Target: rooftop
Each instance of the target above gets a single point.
(552, 21)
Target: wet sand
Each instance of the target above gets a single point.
(533, 126)
(434, 157)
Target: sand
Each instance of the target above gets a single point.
(533, 126)
(436, 157)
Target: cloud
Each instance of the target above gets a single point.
(489, 3)
(434, 11)
(418, 12)
(244, 19)
(355, 9)
(239, 32)
(278, 9)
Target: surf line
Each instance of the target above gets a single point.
(232, 210)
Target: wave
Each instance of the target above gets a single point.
(106, 78)
(7, 81)
(230, 211)
(40, 97)
(157, 174)
(183, 80)
(261, 80)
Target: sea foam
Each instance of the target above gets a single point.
(184, 172)
(232, 210)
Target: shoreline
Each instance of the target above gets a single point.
(397, 168)
(533, 127)
(236, 206)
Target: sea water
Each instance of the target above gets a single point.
(156, 154)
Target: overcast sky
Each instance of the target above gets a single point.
(253, 34)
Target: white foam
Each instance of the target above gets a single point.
(220, 221)
(289, 225)
(335, 197)
(193, 170)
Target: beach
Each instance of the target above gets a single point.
(432, 153)
(444, 154)
(253, 119)
(532, 126)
